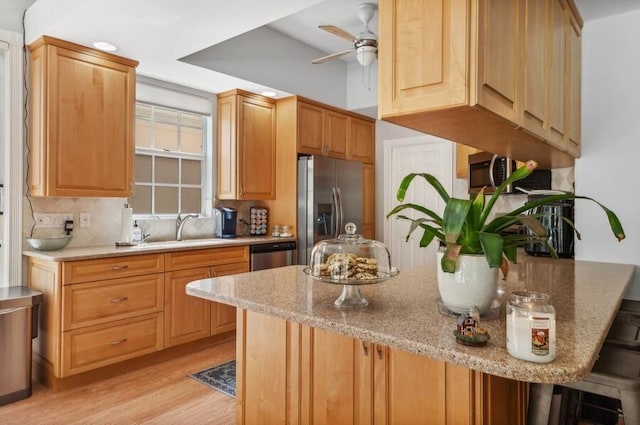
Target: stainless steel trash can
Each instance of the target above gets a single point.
(18, 326)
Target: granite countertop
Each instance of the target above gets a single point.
(104, 251)
(403, 312)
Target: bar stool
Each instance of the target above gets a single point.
(616, 374)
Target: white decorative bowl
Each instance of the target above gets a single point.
(51, 243)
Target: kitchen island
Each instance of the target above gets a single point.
(285, 306)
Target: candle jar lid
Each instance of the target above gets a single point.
(529, 297)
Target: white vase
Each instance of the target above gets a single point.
(473, 283)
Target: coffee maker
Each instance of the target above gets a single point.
(225, 222)
(553, 218)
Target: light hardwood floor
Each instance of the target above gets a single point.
(161, 393)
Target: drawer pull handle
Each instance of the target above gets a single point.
(365, 348)
(119, 267)
(119, 341)
(119, 300)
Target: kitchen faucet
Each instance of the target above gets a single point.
(180, 222)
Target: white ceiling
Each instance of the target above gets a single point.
(159, 32)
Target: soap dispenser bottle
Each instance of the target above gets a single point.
(137, 233)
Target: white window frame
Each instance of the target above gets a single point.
(160, 153)
(161, 94)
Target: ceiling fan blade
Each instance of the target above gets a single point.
(337, 31)
(329, 57)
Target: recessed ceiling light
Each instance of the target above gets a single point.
(269, 93)
(103, 45)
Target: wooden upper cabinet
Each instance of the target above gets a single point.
(246, 146)
(462, 160)
(327, 131)
(557, 73)
(494, 75)
(498, 57)
(422, 60)
(574, 86)
(361, 145)
(81, 113)
(336, 133)
(310, 129)
(534, 55)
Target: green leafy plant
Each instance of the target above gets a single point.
(465, 228)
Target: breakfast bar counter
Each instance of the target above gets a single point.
(403, 312)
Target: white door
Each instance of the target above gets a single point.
(423, 154)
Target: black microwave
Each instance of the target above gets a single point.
(489, 171)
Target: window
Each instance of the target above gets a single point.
(170, 161)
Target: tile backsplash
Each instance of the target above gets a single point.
(104, 228)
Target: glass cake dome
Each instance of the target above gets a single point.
(350, 260)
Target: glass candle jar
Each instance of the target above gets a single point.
(531, 327)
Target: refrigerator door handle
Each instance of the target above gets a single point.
(340, 225)
(335, 216)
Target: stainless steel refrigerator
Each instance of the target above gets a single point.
(329, 196)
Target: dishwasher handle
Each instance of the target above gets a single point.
(273, 247)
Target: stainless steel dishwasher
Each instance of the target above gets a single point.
(272, 254)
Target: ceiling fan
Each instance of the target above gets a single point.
(365, 43)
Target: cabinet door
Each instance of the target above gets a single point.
(223, 316)
(336, 130)
(227, 180)
(424, 55)
(557, 73)
(263, 369)
(368, 201)
(402, 394)
(498, 57)
(187, 318)
(257, 149)
(575, 81)
(310, 129)
(339, 373)
(84, 120)
(534, 71)
(361, 144)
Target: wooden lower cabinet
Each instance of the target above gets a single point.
(103, 311)
(192, 318)
(89, 348)
(188, 318)
(295, 374)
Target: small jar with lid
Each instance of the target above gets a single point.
(531, 327)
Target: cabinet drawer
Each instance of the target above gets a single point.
(109, 268)
(87, 304)
(97, 346)
(206, 257)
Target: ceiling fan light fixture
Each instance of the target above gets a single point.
(366, 55)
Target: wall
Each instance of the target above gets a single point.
(11, 16)
(266, 56)
(608, 167)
